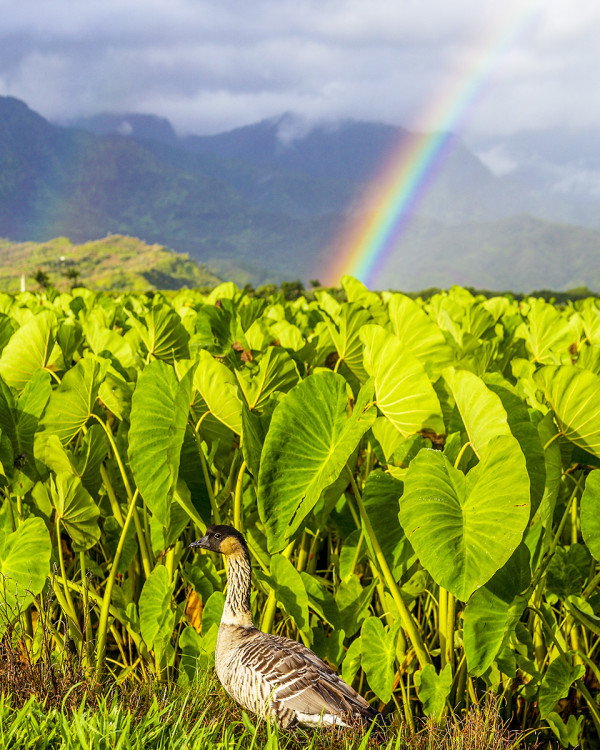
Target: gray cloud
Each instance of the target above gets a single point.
(209, 66)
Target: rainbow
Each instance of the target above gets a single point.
(366, 243)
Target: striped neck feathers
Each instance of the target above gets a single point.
(237, 604)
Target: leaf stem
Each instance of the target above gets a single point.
(104, 611)
(407, 620)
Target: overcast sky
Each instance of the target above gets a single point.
(212, 65)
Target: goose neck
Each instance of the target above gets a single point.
(237, 604)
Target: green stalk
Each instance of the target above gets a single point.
(442, 622)
(303, 553)
(86, 614)
(266, 623)
(71, 611)
(237, 499)
(451, 616)
(407, 620)
(104, 612)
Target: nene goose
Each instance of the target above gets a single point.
(267, 674)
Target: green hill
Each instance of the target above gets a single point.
(114, 263)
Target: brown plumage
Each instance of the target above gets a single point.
(267, 674)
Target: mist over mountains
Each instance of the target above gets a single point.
(267, 202)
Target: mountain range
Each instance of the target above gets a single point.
(267, 202)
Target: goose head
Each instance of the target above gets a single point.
(223, 539)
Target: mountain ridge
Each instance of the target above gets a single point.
(277, 216)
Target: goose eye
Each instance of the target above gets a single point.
(217, 535)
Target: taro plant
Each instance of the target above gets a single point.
(417, 481)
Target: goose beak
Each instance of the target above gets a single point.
(200, 544)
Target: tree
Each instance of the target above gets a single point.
(72, 274)
(42, 279)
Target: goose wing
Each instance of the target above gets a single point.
(303, 684)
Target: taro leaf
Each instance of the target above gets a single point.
(7, 328)
(351, 555)
(568, 734)
(552, 457)
(289, 591)
(574, 396)
(163, 334)
(71, 404)
(115, 393)
(89, 459)
(163, 537)
(380, 497)
(159, 413)
(29, 349)
(482, 412)
(403, 391)
(24, 567)
(69, 338)
(352, 661)
(590, 513)
(547, 333)
(528, 437)
(156, 617)
(77, 512)
(254, 431)
(19, 416)
(329, 646)
(556, 683)
(212, 611)
(433, 689)
(321, 600)
(310, 439)
(379, 656)
(112, 534)
(273, 371)
(194, 659)
(492, 611)
(353, 603)
(564, 576)
(193, 479)
(350, 319)
(419, 334)
(218, 387)
(464, 528)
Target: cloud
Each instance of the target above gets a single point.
(209, 65)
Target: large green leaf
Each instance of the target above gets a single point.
(218, 387)
(163, 334)
(379, 656)
(310, 439)
(159, 412)
(29, 349)
(547, 333)
(380, 497)
(77, 512)
(345, 334)
(71, 404)
(492, 611)
(556, 683)
(433, 689)
(24, 567)
(274, 371)
(590, 513)
(464, 528)
(481, 411)
(527, 434)
(403, 391)
(288, 586)
(574, 396)
(420, 334)
(19, 416)
(156, 616)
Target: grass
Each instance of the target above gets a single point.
(203, 717)
(50, 703)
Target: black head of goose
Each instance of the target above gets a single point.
(267, 674)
